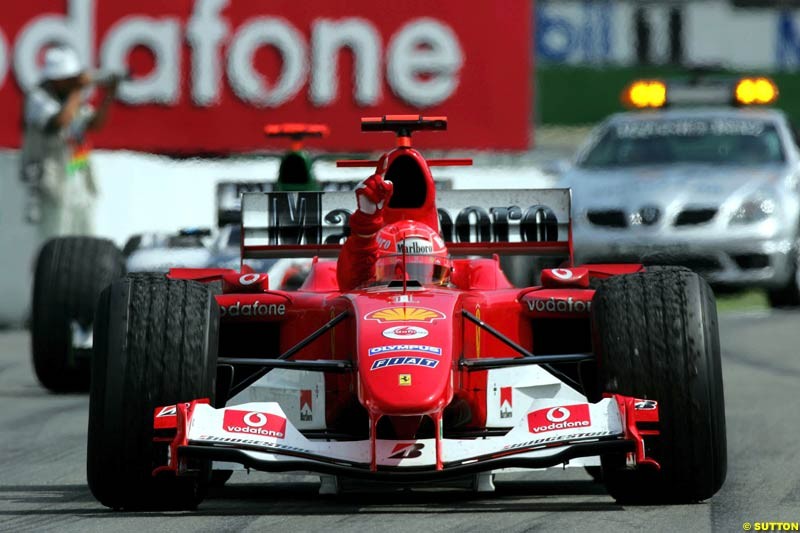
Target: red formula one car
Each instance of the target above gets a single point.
(405, 381)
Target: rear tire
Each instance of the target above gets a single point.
(155, 345)
(70, 274)
(658, 339)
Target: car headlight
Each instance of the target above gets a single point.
(756, 208)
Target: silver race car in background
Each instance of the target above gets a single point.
(712, 188)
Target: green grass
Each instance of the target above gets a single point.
(742, 301)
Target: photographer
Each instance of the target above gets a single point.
(55, 164)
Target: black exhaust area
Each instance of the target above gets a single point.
(410, 186)
(563, 336)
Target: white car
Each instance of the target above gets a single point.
(715, 189)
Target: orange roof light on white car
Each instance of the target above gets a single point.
(750, 91)
(642, 94)
(655, 94)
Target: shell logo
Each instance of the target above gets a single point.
(404, 314)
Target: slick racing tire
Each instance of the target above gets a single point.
(70, 273)
(155, 345)
(657, 338)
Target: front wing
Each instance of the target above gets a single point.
(260, 436)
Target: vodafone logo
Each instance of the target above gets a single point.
(559, 305)
(254, 423)
(220, 51)
(563, 273)
(558, 414)
(249, 279)
(558, 418)
(405, 332)
(257, 420)
(256, 308)
(219, 62)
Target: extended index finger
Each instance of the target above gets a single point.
(385, 186)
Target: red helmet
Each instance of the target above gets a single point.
(426, 259)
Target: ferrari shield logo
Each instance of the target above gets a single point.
(404, 380)
(404, 314)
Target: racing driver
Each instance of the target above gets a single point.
(380, 252)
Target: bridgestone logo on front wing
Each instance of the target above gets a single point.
(250, 442)
(546, 440)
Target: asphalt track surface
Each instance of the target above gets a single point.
(43, 452)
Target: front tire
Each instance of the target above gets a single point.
(155, 345)
(658, 339)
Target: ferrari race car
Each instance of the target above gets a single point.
(712, 187)
(406, 381)
(71, 271)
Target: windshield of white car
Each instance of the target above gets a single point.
(719, 141)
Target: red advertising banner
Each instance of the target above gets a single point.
(208, 74)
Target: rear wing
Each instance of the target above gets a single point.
(472, 222)
(229, 194)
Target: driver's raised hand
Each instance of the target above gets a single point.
(372, 194)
